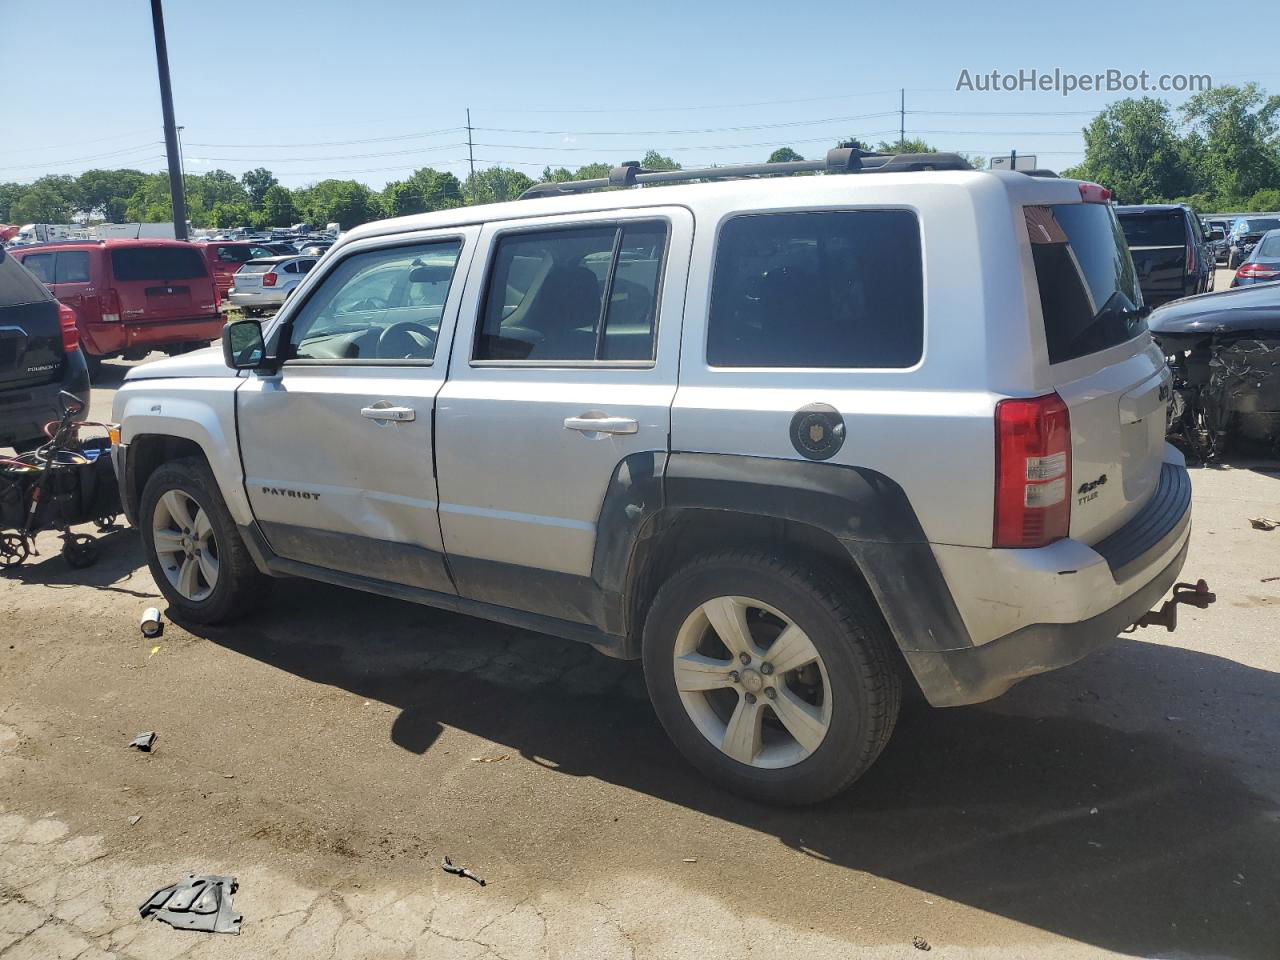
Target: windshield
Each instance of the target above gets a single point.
(1088, 290)
(1259, 226)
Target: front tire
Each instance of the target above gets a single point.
(195, 552)
(771, 675)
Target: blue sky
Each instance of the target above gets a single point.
(283, 85)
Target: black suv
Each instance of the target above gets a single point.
(39, 356)
(1170, 251)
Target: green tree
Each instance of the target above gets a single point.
(256, 183)
(207, 190)
(104, 194)
(348, 203)
(9, 195)
(495, 185)
(426, 190)
(150, 202)
(1133, 148)
(49, 200)
(784, 155)
(653, 160)
(1265, 201)
(906, 146)
(1237, 126)
(230, 214)
(278, 209)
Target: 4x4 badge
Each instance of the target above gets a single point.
(817, 431)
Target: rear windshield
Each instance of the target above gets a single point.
(1261, 226)
(1088, 292)
(234, 254)
(1269, 247)
(255, 267)
(1164, 229)
(157, 263)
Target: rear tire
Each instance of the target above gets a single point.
(195, 552)
(821, 724)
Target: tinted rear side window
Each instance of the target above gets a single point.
(72, 266)
(840, 289)
(1164, 229)
(234, 254)
(157, 263)
(1088, 290)
(41, 265)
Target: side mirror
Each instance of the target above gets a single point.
(243, 347)
(70, 403)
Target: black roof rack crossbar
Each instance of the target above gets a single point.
(838, 160)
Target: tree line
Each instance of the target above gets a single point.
(1218, 151)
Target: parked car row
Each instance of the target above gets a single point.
(1171, 253)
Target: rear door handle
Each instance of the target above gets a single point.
(600, 424)
(379, 412)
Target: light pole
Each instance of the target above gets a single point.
(177, 193)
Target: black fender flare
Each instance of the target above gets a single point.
(866, 511)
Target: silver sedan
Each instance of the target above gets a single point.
(262, 285)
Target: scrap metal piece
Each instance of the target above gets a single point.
(448, 866)
(1264, 523)
(197, 903)
(144, 740)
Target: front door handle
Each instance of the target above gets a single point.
(599, 423)
(380, 412)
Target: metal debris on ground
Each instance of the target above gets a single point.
(196, 903)
(133, 821)
(1264, 523)
(144, 741)
(690, 860)
(448, 866)
(151, 625)
(1269, 579)
(497, 759)
(920, 943)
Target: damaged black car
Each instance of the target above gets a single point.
(1224, 352)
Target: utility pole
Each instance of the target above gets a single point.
(176, 191)
(902, 116)
(471, 157)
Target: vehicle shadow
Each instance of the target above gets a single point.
(1072, 804)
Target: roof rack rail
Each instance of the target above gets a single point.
(838, 160)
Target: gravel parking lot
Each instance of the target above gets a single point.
(329, 751)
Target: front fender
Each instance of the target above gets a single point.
(199, 409)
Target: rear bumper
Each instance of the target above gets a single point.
(114, 338)
(25, 411)
(1029, 611)
(256, 298)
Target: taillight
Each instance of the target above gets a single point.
(1094, 193)
(217, 296)
(1256, 271)
(70, 332)
(109, 304)
(269, 279)
(1191, 257)
(1033, 472)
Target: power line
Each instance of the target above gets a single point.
(77, 143)
(348, 156)
(333, 143)
(97, 156)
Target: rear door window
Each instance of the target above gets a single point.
(235, 254)
(1164, 228)
(574, 294)
(71, 266)
(838, 289)
(41, 264)
(157, 263)
(1088, 290)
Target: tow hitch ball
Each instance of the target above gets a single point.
(1196, 594)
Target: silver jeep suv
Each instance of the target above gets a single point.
(793, 441)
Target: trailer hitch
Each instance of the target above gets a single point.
(1196, 594)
